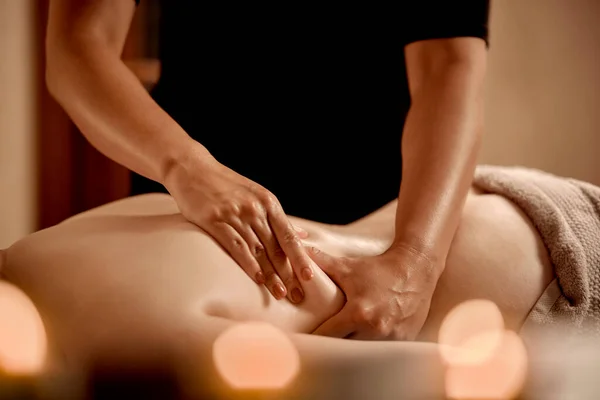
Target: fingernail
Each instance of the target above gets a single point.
(297, 295)
(279, 290)
(307, 273)
(260, 277)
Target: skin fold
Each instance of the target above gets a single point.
(133, 279)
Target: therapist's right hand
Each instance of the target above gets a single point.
(246, 220)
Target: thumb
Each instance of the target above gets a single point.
(325, 261)
(339, 326)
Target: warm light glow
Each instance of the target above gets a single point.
(501, 376)
(256, 356)
(471, 332)
(484, 361)
(22, 335)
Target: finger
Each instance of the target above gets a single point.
(267, 273)
(256, 248)
(236, 246)
(329, 264)
(339, 326)
(289, 242)
(280, 265)
(302, 234)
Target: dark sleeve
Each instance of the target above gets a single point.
(439, 19)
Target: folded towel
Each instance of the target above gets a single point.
(566, 212)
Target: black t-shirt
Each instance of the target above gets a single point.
(309, 101)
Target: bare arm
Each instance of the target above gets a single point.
(102, 96)
(2, 261)
(116, 114)
(441, 141)
(441, 138)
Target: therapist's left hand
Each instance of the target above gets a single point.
(388, 295)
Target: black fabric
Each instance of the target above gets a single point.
(308, 101)
(439, 19)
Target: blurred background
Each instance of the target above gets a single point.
(542, 106)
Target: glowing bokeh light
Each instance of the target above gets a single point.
(471, 332)
(256, 356)
(23, 342)
(501, 376)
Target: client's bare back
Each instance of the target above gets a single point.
(134, 272)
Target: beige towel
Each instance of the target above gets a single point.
(566, 213)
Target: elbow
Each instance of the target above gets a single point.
(53, 60)
(2, 261)
(55, 72)
(51, 81)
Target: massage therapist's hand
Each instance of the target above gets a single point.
(388, 296)
(246, 220)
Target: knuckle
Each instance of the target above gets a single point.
(268, 199)
(290, 238)
(261, 226)
(258, 251)
(379, 326)
(279, 254)
(237, 243)
(270, 275)
(231, 208)
(361, 314)
(252, 209)
(214, 215)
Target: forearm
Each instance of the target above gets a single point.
(115, 112)
(440, 144)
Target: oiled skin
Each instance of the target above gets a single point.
(135, 273)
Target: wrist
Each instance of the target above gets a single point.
(187, 159)
(424, 255)
(415, 245)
